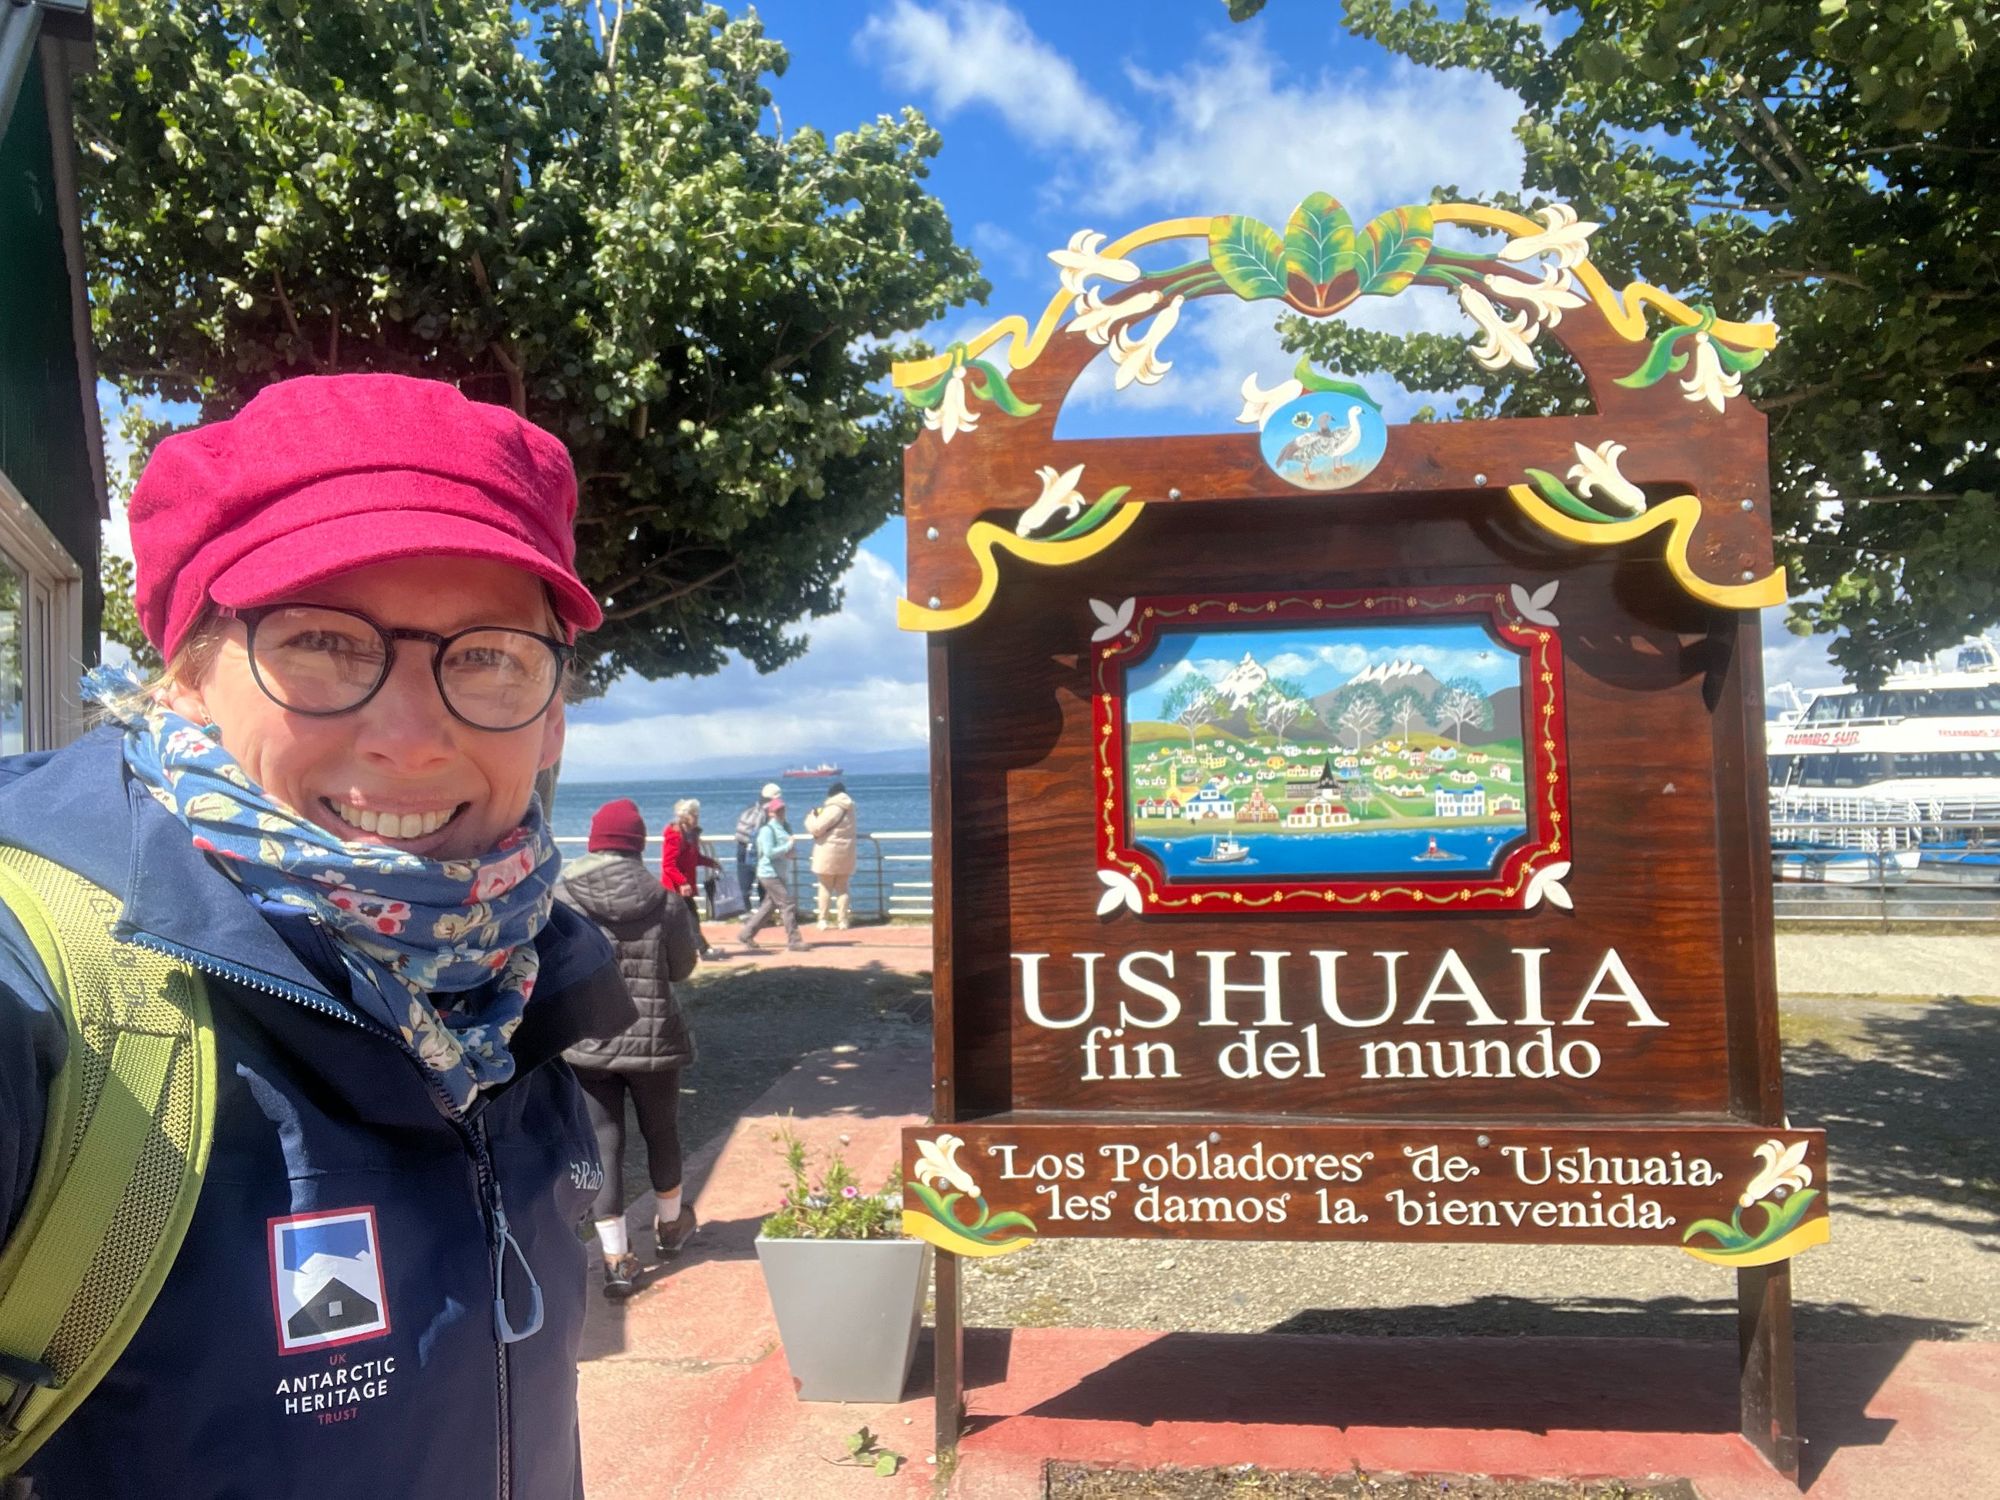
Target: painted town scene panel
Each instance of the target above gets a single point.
(1326, 750)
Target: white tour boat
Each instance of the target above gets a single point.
(1915, 763)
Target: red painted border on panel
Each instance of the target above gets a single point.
(1545, 756)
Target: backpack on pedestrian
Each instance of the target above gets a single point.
(748, 822)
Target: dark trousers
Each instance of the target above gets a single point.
(746, 875)
(656, 1099)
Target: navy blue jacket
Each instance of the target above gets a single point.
(329, 1327)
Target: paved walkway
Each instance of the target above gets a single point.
(685, 1392)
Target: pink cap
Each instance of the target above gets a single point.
(318, 476)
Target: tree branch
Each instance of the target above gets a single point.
(677, 592)
(517, 387)
(292, 318)
(1743, 138)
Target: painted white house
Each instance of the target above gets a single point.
(1502, 771)
(1209, 803)
(1470, 803)
(1506, 802)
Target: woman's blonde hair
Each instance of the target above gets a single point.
(687, 805)
(189, 664)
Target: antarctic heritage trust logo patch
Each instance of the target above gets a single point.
(327, 1287)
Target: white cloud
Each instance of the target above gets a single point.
(963, 53)
(859, 687)
(874, 714)
(1236, 131)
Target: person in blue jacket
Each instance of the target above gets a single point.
(364, 588)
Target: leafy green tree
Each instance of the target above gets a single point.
(576, 209)
(1829, 165)
(121, 615)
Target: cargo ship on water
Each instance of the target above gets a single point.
(813, 772)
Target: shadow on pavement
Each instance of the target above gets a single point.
(1471, 1385)
(1907, 1100)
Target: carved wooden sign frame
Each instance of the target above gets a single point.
(1347, 830)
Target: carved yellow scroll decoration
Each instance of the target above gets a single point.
(983, 537)
(1680, 515)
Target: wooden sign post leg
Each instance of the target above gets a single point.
(950, 1359)
(1768, 1394)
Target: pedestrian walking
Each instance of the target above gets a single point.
(774, 841)
(747, 823)
(834, 834)
(648, 929)
(681, 858)
(302, 890)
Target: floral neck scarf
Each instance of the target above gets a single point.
(409, 928)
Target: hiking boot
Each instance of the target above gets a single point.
(673, 1237)
(621, 1277)
(796, 945)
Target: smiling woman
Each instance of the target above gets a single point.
(323, 823)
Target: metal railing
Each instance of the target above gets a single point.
(872, 894)
(1878, 870)
(1884, 870)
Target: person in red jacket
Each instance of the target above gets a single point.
(681, 855)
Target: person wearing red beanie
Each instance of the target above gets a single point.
(320, 824)
(655, 935)
(618, 828)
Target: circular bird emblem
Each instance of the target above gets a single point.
(1324, 440)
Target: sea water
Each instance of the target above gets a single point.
(1388, 851)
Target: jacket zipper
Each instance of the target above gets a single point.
(491, 1209)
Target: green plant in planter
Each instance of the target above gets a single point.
(833, 1206)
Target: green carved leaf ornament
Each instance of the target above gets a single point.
(1248, 255)
(1320, 248)
(1393, 249)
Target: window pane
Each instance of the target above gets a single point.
(13, 644)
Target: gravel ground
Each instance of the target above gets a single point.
(1904, 1090)
(1247, 1482)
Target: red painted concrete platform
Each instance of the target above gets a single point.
(685, 1392)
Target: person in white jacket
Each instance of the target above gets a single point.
(834, 833)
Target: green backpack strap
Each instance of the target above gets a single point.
(131, 1116)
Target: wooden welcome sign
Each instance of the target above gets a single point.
(1353, 831)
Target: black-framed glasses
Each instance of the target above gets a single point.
(316, 660)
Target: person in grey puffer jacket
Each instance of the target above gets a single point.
(648, 926)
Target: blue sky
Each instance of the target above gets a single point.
(1056, 117)
(1319, 659)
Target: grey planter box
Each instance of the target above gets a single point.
(848, 1313)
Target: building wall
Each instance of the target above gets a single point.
(44, 448)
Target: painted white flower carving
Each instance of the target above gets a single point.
(953, 414)
(1710, 381)
(1567, 237)
(1095, 317)
(1596, 473)
(1138, 359)
(1506, 340)
(937, 1164)
(1550, 297)
(1080, 261)
(1111, 622)
(1547, 885)
(1258, 403)
(1059, 495)
(1118, 891)
(1784, 1168)
(1534, 607)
